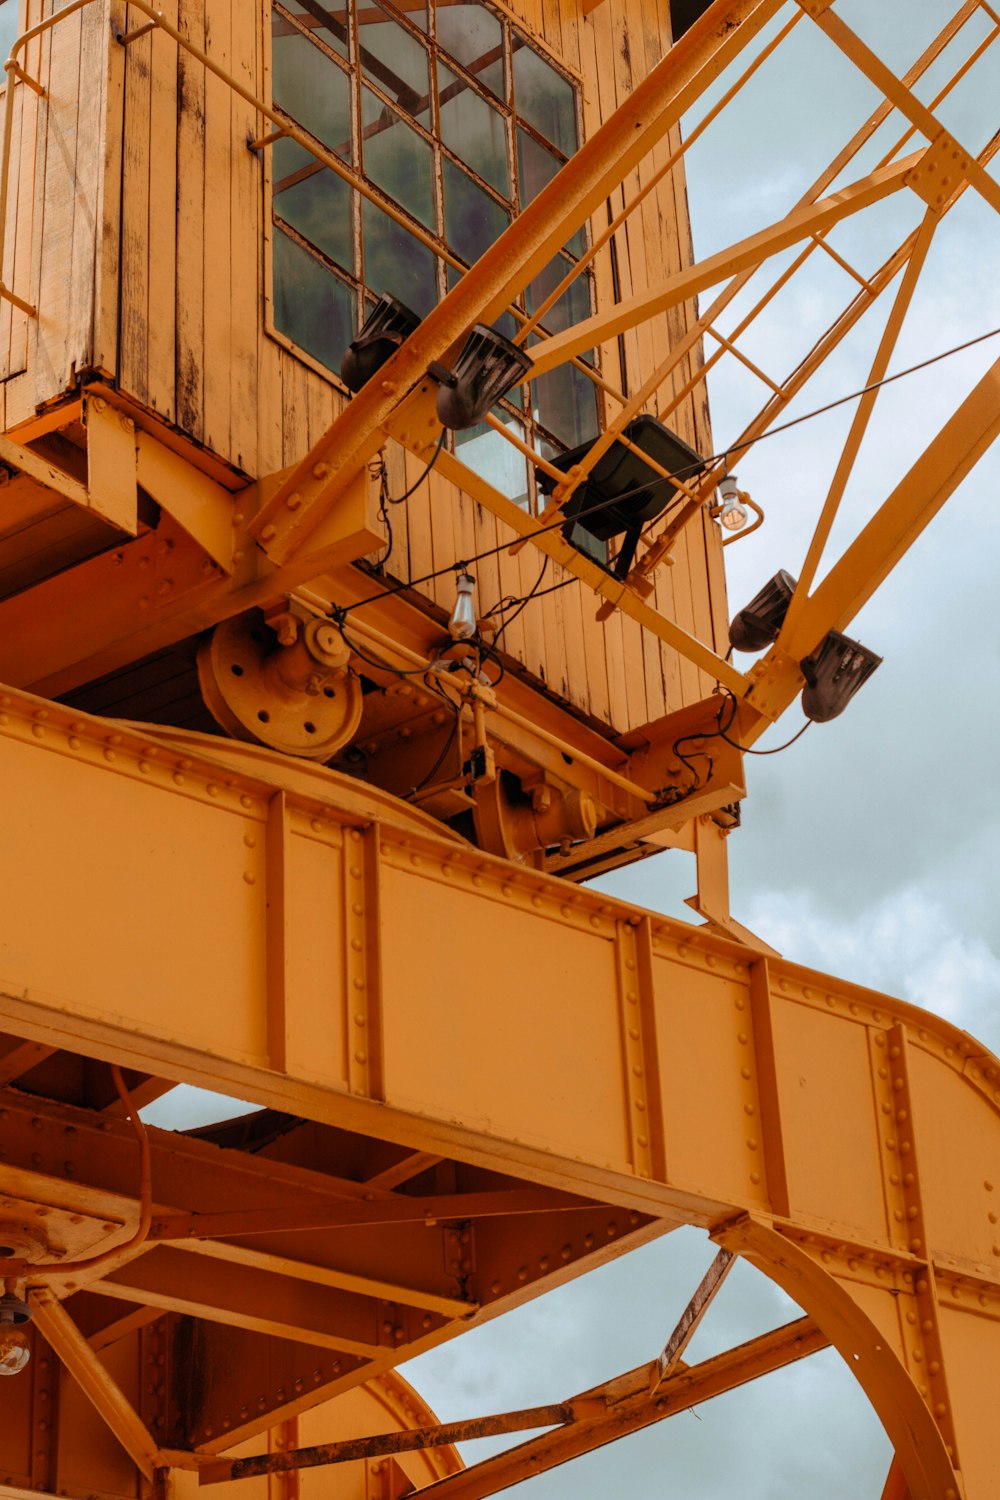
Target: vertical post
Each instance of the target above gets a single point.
(362, 960)
(640, 1069)
(768, 1095)
(277, 835)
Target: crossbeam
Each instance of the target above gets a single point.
(631, 1408)
(456, 1206)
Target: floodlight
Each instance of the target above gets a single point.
(758, 624)
(622, 493)
(833, 675)
(388, 325)
(485, 370)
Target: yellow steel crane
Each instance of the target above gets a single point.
(361, 598)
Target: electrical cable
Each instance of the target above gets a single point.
(722, 732)
(522, 604)
(777, 749)
(439, 762)
(746, 749)
(406, 495)
(383, 510)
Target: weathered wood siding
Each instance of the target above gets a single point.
(145, 219)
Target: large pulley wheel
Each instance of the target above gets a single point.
(300, 699)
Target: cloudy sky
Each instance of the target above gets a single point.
(865, 850)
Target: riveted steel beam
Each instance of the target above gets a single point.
(754, 1072)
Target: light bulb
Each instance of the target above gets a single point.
(732, 513)
(15, 1351)
(462, 625)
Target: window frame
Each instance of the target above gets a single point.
(359, 79)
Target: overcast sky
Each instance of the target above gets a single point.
(866, 849)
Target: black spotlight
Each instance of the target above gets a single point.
(622, 493)
(485, 370)
(388, 325)
(833, 675)
(757, 626)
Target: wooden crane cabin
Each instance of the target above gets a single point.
(204, 204)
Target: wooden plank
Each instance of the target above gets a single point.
(217, 244)
(26, 185)
(137, 244)
(190, 288)
(294, 410)
(58, 145)
(161, 383)
(108, 202)
(92, 102)
(245, 243)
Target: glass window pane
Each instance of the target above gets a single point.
(327, 22)
(314, 200)
(397, 263)
(393, 57)
(472, 220)
(415, 12)
(544, 98)
(310, 87)
(474, 130)
(397, 159)
(536, 168)
(494, 459)
(565, 402)
(572, 306)
(314, 308)
(472, 35)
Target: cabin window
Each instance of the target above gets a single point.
(456, 120)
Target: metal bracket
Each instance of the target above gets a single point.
(939, 172)
(815, 8)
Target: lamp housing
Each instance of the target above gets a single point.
(388, 325)
(622, 493)
(758, 624)
(487, 367)
(730, 510)
(833, 675)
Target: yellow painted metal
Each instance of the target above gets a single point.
(843, 1141)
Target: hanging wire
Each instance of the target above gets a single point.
(401, 499)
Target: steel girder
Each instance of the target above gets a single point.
(231, 923)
